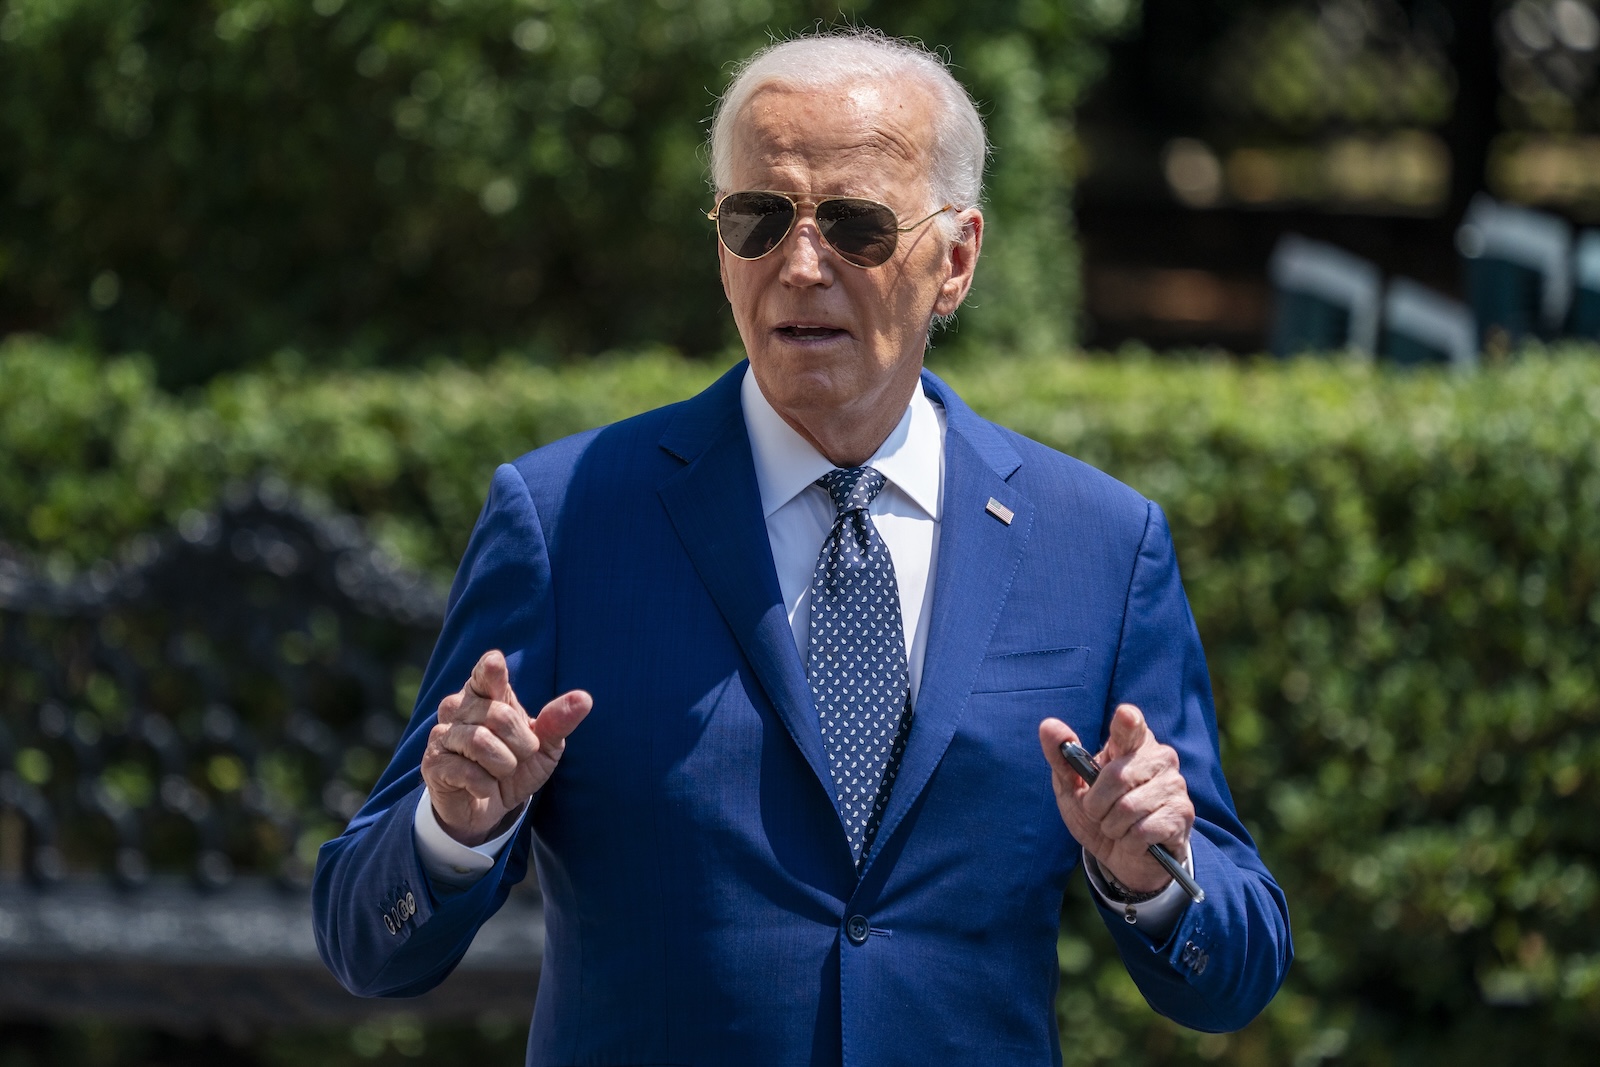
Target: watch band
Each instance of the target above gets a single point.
(1121, 893)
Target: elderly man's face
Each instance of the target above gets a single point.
(834, 345)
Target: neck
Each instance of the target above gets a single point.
(841, 453)
(847, 432)
(846, 438)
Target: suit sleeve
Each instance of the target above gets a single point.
(1227, 956)
(380, 926)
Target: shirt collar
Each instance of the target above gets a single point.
(911, 456)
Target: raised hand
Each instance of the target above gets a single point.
(486, 756)
(1139, 800)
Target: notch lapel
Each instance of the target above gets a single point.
(715, 508)
(977, 561)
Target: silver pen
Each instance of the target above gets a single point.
(1089, 770)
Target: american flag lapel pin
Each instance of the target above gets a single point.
(999, 511)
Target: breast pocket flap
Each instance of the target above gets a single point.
(1050, 668)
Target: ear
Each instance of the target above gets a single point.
(962, 262)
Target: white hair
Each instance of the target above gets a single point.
(844, 57)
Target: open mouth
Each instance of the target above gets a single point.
(802, 332)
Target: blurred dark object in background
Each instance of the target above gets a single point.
(1325, 299)
(1518, 271)
(1366, 124)
(1586, 296)
(1520, 267)
(1422, 327)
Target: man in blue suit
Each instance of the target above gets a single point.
(798, 644)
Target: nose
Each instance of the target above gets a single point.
(806, 259)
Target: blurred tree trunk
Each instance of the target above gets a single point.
(1475, 122)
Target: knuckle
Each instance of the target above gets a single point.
(1127, 807)
(490, 754)
(464, 739)
(503, 718)
(479, 742)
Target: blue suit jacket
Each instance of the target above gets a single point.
(697, 881)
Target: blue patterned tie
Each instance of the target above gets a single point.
(857, 660)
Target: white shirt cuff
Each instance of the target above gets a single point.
(1154, 917)
(447, 861)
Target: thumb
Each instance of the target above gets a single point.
(490, 678)
(561, 716)
(1128, 732)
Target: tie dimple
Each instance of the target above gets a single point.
(857, 658)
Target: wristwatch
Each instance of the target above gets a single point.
(1128, 898)
(1122, 894)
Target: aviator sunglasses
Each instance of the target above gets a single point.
(864, 233)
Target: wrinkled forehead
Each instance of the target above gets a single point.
(857, 137)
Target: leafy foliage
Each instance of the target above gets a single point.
(1397, 577)
(375, 180)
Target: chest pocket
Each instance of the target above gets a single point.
(1050, 668)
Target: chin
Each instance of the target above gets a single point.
(805, 388)
(796, 385)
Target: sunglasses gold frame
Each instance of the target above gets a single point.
(797, 200)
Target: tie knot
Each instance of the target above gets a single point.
(852, 488)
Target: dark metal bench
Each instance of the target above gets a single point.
(179, 730)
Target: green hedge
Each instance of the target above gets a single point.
(1397, 577)
(374, 180)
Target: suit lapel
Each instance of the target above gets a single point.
(715, 508)
(977, 560)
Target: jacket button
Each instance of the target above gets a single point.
(857, 930)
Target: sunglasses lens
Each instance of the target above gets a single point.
(752, 224)
(861, 231)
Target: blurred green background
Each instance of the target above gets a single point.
(377, 181)
(374, 247)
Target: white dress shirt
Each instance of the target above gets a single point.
(799, 515)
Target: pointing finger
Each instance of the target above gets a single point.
(490, 679)
(488, 685)
(1128, 732)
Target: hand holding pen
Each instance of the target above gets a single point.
(1131, 809)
